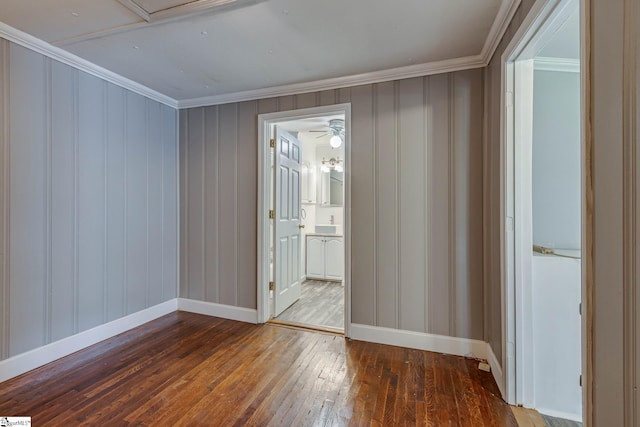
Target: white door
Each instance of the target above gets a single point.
(334, 258)
(287, 262)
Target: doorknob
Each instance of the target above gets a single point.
(301, 226)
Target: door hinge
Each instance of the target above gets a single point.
(272, 143)
(580, 308)
(580, 380)
(272, 286)
(272, 214)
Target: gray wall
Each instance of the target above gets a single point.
(491, 201)
(416, 171)
(556, 159)
(88, 201)
(614, 291)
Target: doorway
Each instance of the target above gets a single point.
(543, 201)
(304, 218)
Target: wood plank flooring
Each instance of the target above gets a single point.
(321, 304)
(191, 370)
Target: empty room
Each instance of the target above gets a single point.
(279, 212)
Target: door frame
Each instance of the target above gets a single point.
(265, 123)
(541, 23)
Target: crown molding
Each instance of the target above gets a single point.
(562, 65)
(500, 24)
(30, 42)
(418, 70)
(503, 19)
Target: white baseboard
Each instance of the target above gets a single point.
(496, 370)
(240, 314)
(559, 414)
(21, 363)
(420, 341)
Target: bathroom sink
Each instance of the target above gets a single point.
(326, 228)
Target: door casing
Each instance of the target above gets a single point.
(265, 124)
(544, 18)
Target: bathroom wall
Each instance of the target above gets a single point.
(556, 159)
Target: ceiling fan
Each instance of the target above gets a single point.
(336, 130)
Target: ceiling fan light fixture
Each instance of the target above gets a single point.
(335, 141)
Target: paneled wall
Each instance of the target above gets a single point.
(614, 294)
(416, 201)
(88, 201)
(492, 174)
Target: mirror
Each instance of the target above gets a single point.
(332, 188)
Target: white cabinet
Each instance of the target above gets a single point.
(325, 257)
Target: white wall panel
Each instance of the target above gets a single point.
(28, 93)
(91, 205)
(88, 205)
(136, 203)
(64, 80)
(4, 191)
(115, 202)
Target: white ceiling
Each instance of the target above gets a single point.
(201, 49)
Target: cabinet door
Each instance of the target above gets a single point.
(334, 258)
(315, 257)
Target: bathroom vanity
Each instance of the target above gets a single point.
(325, 256)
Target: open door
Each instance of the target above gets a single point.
(287, 260)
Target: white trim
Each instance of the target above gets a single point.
(264, 191)
(562, 65)
(558, 414)
(30, 42)
(522, 141)
(186, 9)
(189, 8)
(136, 8)
(505, 14)
(21, 363)
(539, 26)
(241, 314)
(496, 369)
(420, 341)
(437, 67)
(499, 27)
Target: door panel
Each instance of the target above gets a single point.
(334, 258)
(287, 232)
(315, 257)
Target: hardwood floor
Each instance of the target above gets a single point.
(188, 369)
(321, 304)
